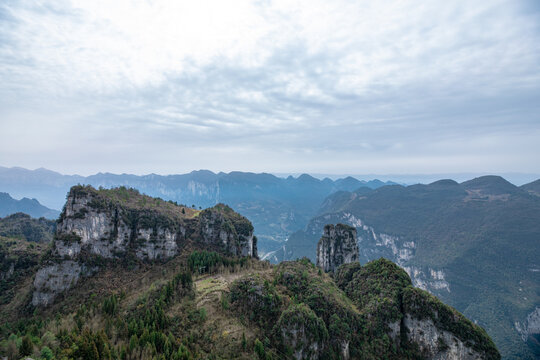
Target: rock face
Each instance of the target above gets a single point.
(530, 330)
(336, 247)
(437, 344)
(374, 244)
(303, 331)
(439, 331)
(228, 229)
(54, 279)
(411, 317)
(121, 223)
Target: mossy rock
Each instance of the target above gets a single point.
(257, 299)
(422, 305)
(301, 332)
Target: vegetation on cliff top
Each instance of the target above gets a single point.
(385, 292)
(130, 199)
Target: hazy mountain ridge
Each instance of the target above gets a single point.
(276, 206)
(32, 207)
(474, 244)
(533, 187)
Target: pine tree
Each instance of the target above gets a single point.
(27, 347)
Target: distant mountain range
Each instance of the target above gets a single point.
(9, 205)
(276, 206)
(476, 245)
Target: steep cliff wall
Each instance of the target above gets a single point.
(336, 247)
(233, 232)
(123, 224)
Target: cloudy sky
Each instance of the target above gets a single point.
(276, 86)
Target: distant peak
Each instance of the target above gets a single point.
(203, 171)
(491, 184)
(444, 182)
(306, 177)
(488, 180)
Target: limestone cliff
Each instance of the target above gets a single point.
(336, 247)
(529, 330)
(229, 229)
(123, 224)
(374, 244)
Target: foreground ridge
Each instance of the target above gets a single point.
(128, 276)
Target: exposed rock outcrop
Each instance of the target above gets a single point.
(121, 223)
(373, 244)
(231, 230)
(413, 318)
(438, 344)
(302, 331)
(336, 247)
(54, 279)
(529, 330)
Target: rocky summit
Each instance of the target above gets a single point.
(121, 223)
(336, 247)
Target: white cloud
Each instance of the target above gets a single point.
(339, 79)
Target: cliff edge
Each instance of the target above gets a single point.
(122, 224)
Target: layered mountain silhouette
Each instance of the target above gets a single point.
(9, 205)
(276, 206)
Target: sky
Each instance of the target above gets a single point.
(333, 87)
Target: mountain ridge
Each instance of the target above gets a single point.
(276, 206)
(32, 207)
(101, 292)
(473, 244)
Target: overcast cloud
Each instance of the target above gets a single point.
(276, 86)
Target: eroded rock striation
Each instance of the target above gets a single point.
(336, 247)
(122, 224)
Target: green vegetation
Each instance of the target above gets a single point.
(18, 259)
(256, 300)
(423, 305)
(205, 304)
(231, 221)
(132, 202)
(383, 292)
(300, 318)
(23, 226)
(274, 313)
(202, 262)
